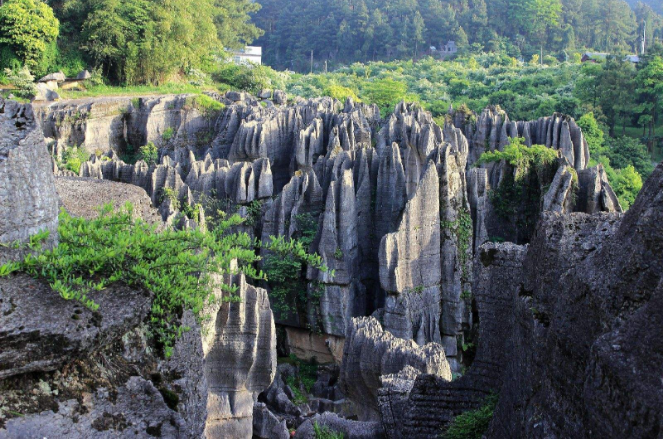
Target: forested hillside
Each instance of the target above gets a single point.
(344, 31)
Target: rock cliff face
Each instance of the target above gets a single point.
(235, 349)
(28, 201)
(393, 206)
(566, 335)
(398, 211)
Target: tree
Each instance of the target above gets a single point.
(626, 151)
(385, 93)
(650, 91)
(27, 26)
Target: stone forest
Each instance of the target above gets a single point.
(362, 276)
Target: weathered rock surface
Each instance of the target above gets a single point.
(371, 352)
(112, 123)
(137, 410)
(235, 349)
(40, 331)
(82, 197)
(349, 429)
(586, 357)
(28, 201)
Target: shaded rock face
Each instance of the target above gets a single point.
(421, 406)
(370, 352)
(587, 362)
(32, 342)
(28, 201)
(235, 348)
(572, 345)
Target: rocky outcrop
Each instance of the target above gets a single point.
(28, 202)
(370, 352)
(349, 429)
(121, 123)
(235, 348)
(493, 129)
(137, 410)
(81, 197)
(586, 358)
(595, 194)
(40, 331)
(422, 406)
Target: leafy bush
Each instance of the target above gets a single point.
(385, 93)
(149, 154)
(23, 82)
(73, 157)
(518, 155)
(27, 26)
(205, 104)
(179, 267)
(168, 134)
(473, 423)
(341, 93)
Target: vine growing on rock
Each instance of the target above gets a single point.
(472, 424)
(182, 268)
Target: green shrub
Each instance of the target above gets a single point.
(205, 104)
(473, 423)
(518, 155)
(73, 157)
(168, 134)
(28, 26)
(149, 154)
(23, 82)
(176, 266)
(339, 92)
(324, 432)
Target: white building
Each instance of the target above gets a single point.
(250, 54)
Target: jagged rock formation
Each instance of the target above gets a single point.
(492, 130)
(396, 223)
(370, 352)
(566, 187)
(575, 314)
(235, 348)
(28, 202)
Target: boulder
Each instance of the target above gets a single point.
(45, 93)
(57, 76)
(40, 331)
(84, 74)
(280, 97)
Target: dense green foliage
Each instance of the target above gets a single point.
(472, 424)
(180, 267)
(72, 159)
(341, 32)
(26, 28)
(521, 157)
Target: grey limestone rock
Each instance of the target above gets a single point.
(349, 429)
(371, 352)
(28, 201)
(235, 348)
(137, 410)
(266, 425)
(40, 331)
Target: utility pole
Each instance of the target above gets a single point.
(644, 36)
(311, 61)
(541, 59)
